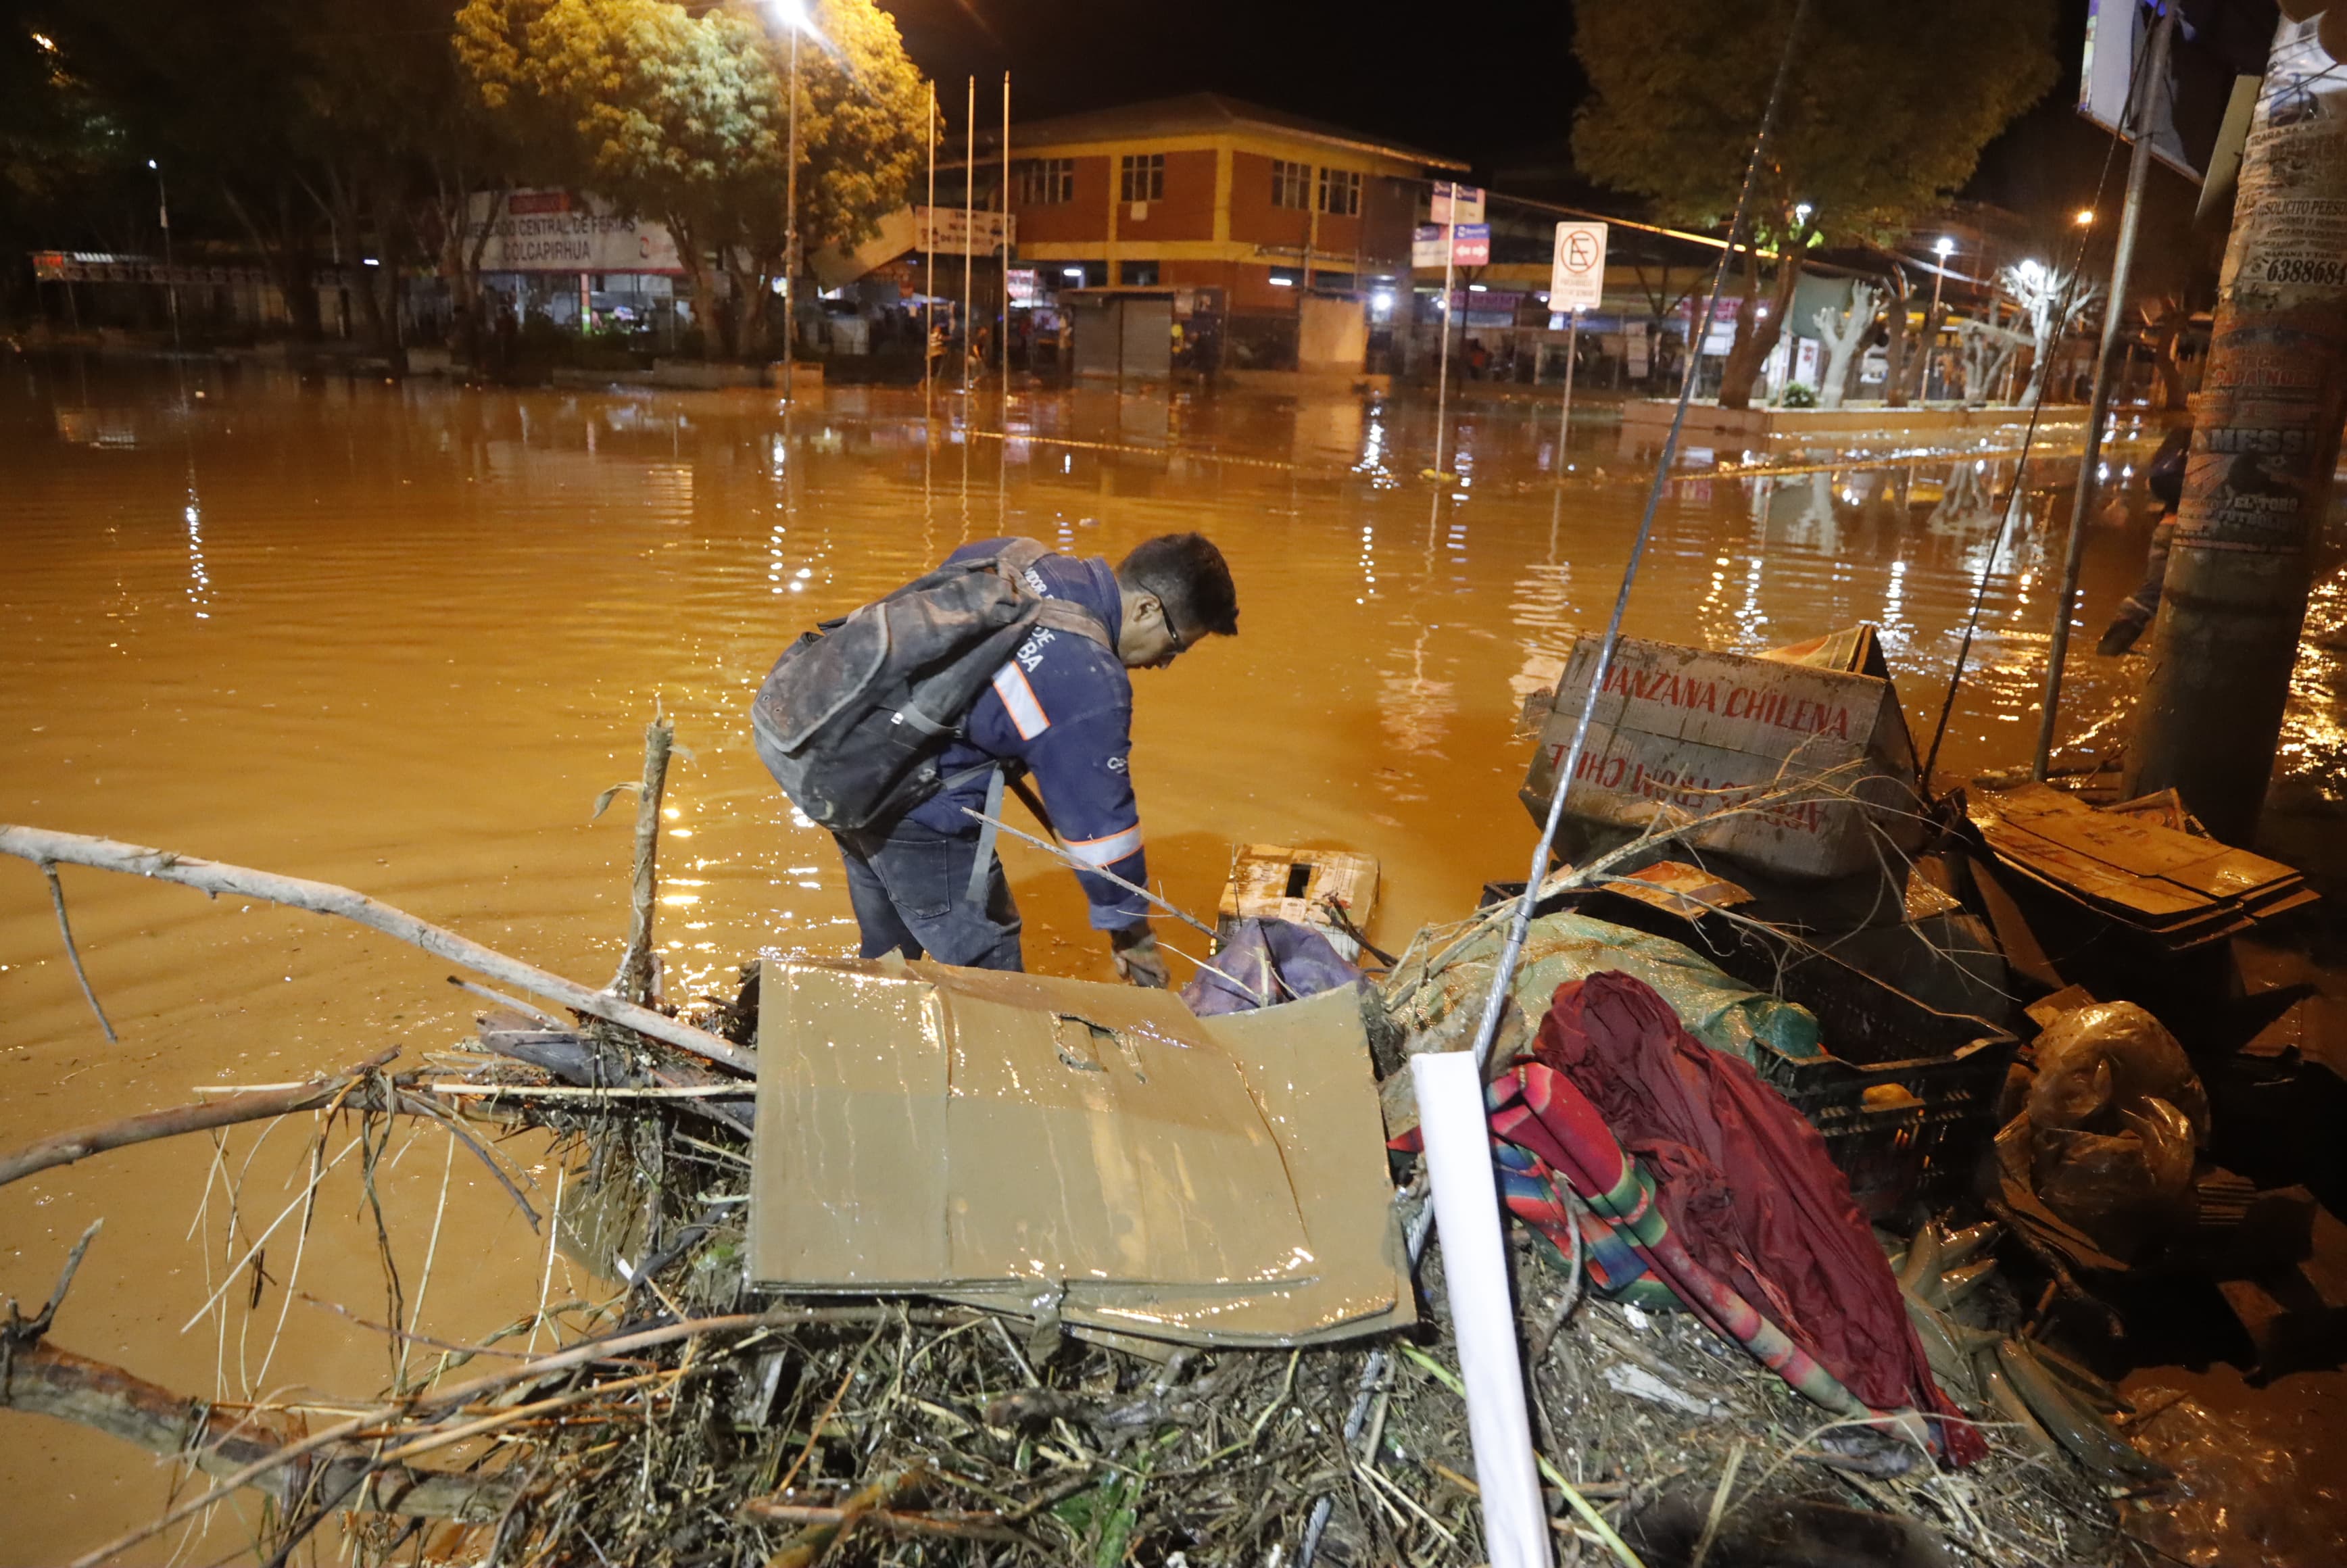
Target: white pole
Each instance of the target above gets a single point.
(968, 223)
(1004, 346)
(1451, 1117)
(1565, 418)
(930, 244)
(790, 233)
(1442, 360)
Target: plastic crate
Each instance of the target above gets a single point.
(1906, 1096)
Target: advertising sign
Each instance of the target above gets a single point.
(557, 231)
(943, 229)
(1025, 285)
(1455, 203)
(1576, 275)
(1470, 245)
(2189, 108)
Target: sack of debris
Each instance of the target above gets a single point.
(2116, 1117)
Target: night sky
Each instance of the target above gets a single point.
(1490, 81)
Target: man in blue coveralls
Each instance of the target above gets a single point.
(1062, 710)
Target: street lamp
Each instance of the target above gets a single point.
(1801, 210)
(1943, 248)
(2086, 217)
(163, 210)
(793, 14)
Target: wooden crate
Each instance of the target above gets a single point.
(1275, 882)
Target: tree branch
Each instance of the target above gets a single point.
(47, 1382)
(65, 1148)
(42, 845)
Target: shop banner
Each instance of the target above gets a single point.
(561, 232)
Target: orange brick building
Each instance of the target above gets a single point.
(1204, 192)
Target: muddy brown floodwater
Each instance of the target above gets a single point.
(399, 636)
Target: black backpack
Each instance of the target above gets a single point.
(853, 715)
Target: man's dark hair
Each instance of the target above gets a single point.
(1189, 578)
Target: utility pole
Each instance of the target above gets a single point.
(969, 223)
(2153, 82)
(929, 248)
(170, 282)
(2265, 437)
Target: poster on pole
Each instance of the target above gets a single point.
(1576, 275)
(1455, 203)
(1426, 245)
(1470, 244)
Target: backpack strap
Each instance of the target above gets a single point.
(1012, 562)
(1062, 615)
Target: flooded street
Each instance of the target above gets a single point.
(400, 636)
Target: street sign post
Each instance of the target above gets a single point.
(1577, 276)
(1470, 244)
(1576, 283)
(1456, 203)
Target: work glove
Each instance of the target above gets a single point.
(1137, 958)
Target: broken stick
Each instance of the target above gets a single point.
(65, 1148)
(43, 847)
(635, 977)
(47, 1381)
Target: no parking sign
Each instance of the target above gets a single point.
(1576, 278)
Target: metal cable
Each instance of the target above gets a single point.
(1422, 1226)
(2020, 470)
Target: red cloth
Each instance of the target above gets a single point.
(1745, 1182)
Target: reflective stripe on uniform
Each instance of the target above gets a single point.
(1027, 715)
(1106, 851)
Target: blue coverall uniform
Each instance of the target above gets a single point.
(1061, 708)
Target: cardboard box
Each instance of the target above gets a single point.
(1274, 882)
(1805, 763)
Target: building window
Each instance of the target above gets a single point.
(1143, 176)
(1291, 184)
(1340, 193)
(1047, 181)
(1137, 275)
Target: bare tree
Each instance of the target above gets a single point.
(2053, 298)
(1985, 350)
(1841, 332)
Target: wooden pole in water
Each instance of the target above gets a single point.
(2265, 439)
(2099, 401)
(635, 980)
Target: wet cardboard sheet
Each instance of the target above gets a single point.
(2183, 889)
(1059, 1147)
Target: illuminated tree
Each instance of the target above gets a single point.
(2052, 300)
(1885, 112)
(682, 117)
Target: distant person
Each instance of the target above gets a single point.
(1061, 709)
(937, 342)
(2165, 479)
